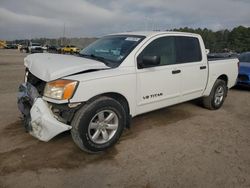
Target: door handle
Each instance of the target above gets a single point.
(176, 71)
(203, 67)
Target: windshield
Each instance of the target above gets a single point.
(112, 49)
(245, 57)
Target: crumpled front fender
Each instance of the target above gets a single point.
(44, 125)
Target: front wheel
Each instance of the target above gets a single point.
(217, 96)
(98, 125)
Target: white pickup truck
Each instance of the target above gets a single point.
(116, 78)
(35, 48)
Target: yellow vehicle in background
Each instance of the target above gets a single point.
(70, 49)
(2, 44)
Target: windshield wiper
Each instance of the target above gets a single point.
(98, 58)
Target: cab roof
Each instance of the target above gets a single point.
(153, 33)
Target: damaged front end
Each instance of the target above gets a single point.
(39, 120)
(25, 100)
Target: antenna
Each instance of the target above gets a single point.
(62, 40)
(64, 30)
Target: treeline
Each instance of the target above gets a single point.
(237, 40)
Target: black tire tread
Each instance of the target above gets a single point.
(77, 118)
(207, 101)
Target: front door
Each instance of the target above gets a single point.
(158, 86)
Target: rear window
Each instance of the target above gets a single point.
(187, 49)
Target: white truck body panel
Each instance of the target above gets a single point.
(144, 89)
(50, 67)
(229, 68)
(120, 80)
(135, 83)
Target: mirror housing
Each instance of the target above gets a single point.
(207, 51)
(149, 61)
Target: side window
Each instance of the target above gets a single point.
(187, 49)
(163, 47)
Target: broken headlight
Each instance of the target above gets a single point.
(60, 89)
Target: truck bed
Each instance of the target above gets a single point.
(220, 58)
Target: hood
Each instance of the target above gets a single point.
(50, 67)
(245, 68)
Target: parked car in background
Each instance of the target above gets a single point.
(24, 48)
(116, 78)
(53, 49)
(35, 48)
(45, 48)
(10, 46)
(244, 69)
(70, 49)
(59, 49)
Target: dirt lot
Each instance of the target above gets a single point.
(180, 146)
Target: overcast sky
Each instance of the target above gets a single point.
(46, 18)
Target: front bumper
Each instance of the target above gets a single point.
(39, 120)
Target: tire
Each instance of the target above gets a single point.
(217, 96)
(83, 133)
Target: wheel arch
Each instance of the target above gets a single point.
(224, 78)
(121, 99)
(212, 80)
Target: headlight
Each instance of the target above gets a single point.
(60, 89)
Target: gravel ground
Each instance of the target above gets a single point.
(180, 146)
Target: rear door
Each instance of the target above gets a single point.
(194, 70)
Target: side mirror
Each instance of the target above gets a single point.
(148, 61)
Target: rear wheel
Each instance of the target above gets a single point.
(217, 96)
(98, 125)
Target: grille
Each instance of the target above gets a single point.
(36, 82)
